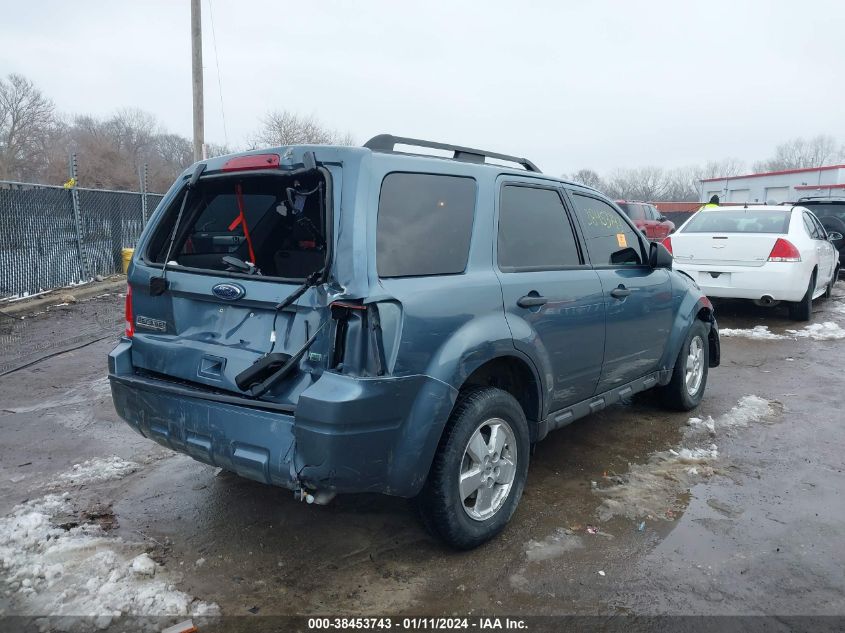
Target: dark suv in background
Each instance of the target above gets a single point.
(340, 319)
(831, 213)
(646, 217)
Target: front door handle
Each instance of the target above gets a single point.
(620, 293)
(531, 301)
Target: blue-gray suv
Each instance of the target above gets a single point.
(339, 319)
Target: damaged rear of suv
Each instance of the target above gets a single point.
(339, 320)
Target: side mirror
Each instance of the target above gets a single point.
(662, 218)
(627, 255)
(659, 257)
(835, 236)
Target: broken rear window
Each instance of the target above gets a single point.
(276, 223)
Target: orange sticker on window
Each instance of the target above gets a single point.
(620, 239)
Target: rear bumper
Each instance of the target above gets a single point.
(345, 435)
(252, 443)
(780, 280)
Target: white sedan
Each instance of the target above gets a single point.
(761, 252)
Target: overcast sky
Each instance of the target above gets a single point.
(598, 84)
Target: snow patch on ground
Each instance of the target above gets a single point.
(827, 331)
(758, 332)
(655, 489)
(553, 546)
(97, 470)
(749, 409)
(82, 571)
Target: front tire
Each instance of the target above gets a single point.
(689, 377)
(803, 310)
(479, 470)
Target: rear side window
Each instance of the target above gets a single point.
(534, 231)
(822, 231)
(610, 240)
(808, 226)
(424, 224)
(815, 230)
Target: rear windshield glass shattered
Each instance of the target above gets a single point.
(740, 221)
(271, 226)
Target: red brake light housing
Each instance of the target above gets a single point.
(784, 251)
(667, 242)
(252, 161)
(130, 319)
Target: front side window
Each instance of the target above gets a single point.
(534, 231)
(424, 224)
(610, 240)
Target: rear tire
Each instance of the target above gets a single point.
(486, 441)
(803, 310)
(689, 377)
(828, 293)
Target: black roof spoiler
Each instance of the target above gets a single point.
(387, 143)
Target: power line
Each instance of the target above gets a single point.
(219, 80)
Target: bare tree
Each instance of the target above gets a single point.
(287, 128)
(26, 120)
(682, 184)
(113, 151)
(217, 149)
(587, 177)
(641, 183)
(722, 168)
(799, 152)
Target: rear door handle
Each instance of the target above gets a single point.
(531, 301)
(620, 293)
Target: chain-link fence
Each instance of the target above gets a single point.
(52, 237)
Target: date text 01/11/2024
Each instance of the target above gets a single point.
(417, 624)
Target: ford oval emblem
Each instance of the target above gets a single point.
(229, 292)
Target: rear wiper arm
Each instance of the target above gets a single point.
(260, 389)
(266, 362)
(311, 280)
(238, 265)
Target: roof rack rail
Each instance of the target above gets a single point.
(387, 142)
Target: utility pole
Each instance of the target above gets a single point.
(196, 71)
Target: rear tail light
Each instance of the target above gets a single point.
(668, 244)
(130, 320)
(784, 251)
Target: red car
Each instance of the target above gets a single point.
(648, 219)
